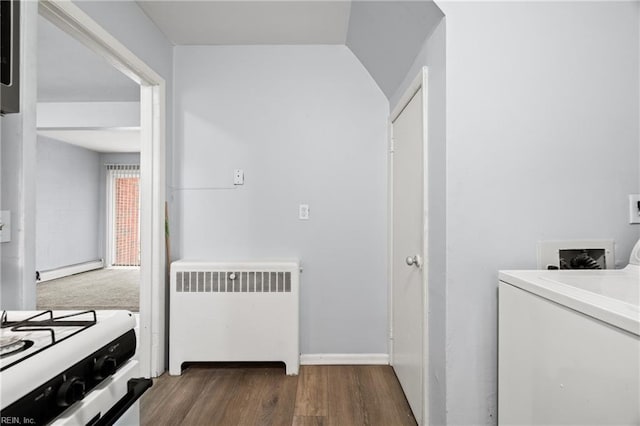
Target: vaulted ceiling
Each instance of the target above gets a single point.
(384, 35)
(250, 22)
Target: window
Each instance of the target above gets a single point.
(123, 220)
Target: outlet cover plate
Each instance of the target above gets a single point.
(303, 212)
(238, 177)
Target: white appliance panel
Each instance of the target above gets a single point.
(611, 296)
(21, 378)
(102, 398)
(569, 346)
(558, 366)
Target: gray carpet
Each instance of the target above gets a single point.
(100, 289)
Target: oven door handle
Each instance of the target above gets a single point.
(135, 389)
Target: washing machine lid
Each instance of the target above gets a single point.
(634, 259)
(612, 296)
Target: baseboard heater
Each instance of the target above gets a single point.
(65, 271)
(234, 312)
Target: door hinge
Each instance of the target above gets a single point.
(392, 145)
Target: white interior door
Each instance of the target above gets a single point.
(408, 292)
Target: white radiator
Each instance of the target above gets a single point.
(234, 312)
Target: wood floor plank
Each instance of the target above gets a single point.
(259, 396)
(345, 399)
(209, 406)
(273, 400)
(382, 396)
(176, 400)
(152, 406)
(311, 399)
(309, 421)
(262, 395)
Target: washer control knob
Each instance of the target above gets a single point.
(72, 390)
(104, 367)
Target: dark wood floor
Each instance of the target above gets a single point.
(250, 395)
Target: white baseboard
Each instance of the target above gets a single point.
(344, 359)
(65, 271)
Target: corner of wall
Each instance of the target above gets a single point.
(18, 181)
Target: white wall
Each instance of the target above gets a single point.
(87, 78)
(308, 125)
(542, 143)
(130, 25)
(18, 145)
(88, 114)
(67, 204)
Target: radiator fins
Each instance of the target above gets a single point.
(233, 282)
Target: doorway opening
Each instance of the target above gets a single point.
(71, 19)
(84, 106)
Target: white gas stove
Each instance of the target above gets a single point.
(68, 367)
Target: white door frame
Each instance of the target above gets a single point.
(420, 82)
(71, 19)
(109, 246)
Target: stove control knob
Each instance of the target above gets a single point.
(72, 390)
(104, 367)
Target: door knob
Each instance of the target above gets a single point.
(414, 261)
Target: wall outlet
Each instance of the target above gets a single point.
(634, 208)
(238, 177)
(303, 212)
(5, 226)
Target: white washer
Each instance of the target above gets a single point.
(569, 346)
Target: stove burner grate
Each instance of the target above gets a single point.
(45, 321)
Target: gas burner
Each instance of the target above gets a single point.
(14, 347)
(9, 340)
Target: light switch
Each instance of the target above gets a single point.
(238, 177)
(634, 208)
(5, 226)
(303, 212)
